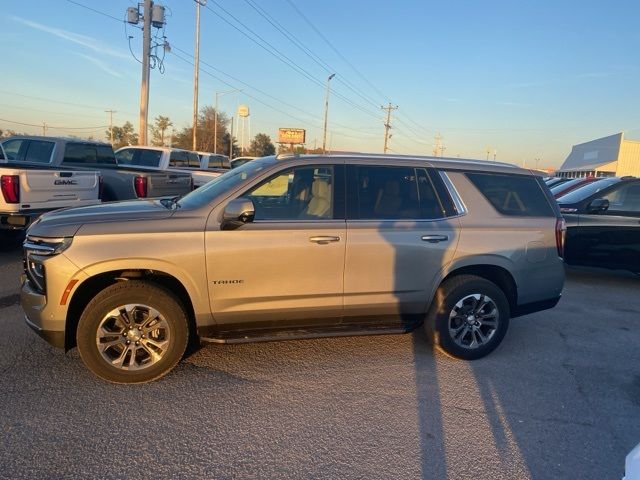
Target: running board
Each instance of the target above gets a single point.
(250, 336)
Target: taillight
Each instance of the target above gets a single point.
(140, 184)
(100, 187)
(561, 232)
(10, 188)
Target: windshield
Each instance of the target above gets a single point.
(589, 189)
(225, 182)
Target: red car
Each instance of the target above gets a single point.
(566, 187)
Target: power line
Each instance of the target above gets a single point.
(55, 128)
(96, 11)
(326, 40)
(279, 55)
(308, 52)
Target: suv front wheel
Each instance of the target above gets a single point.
(132, 332)
(469, 316)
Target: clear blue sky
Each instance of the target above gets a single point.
(525, 79)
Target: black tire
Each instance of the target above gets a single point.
(133, 292)
(451, 292)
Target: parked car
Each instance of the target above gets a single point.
(30, 190)
(553, 181)
(167, 158)
(213, 160)
(262, 253)
(573, 184)
(120, 182)
(236, 162)
(603, 224)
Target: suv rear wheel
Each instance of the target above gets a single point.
(132, 332)
(469, 316)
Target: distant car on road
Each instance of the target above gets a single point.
(563, 188)
(298, 247)
(236, 162)
(603, 224)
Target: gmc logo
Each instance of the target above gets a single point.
(65, 182)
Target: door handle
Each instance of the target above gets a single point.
(323, 239)
(435, 238)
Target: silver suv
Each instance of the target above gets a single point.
(297, 247)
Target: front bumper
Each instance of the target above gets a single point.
(45, 313)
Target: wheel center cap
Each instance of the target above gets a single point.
(134, 334)
(471, 319)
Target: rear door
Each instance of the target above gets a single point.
(398, 240)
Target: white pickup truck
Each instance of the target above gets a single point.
(167, 158)
(27, 191)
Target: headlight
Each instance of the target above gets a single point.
(36, 249)
(47, 246)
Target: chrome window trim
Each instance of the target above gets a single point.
(453, 191)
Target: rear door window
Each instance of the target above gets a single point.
(179, 158)
(88, 154)
(193, 159)
(513, 195)
(390, 193)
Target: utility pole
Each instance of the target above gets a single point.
(196, 71)
(437, 147)
(144, 88)
(387, 125)
(44, 129)
(231, 141)
(326, 113)
(111, 112)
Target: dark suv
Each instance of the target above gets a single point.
(603, 224)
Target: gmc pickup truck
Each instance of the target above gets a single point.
(169, 159)
(27, 191)
(120, 182)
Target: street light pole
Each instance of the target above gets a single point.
(215, 117)
(144, 88)
(326, 114)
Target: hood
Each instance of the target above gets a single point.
(67, 221)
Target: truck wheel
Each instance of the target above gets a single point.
(469, 317)
(132, 332)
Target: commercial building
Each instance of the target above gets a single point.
(605, 157)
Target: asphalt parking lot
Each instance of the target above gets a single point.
(560, 399)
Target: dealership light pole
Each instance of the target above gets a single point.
(215, 117)
(326, 114)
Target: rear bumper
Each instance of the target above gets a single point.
(19, 220)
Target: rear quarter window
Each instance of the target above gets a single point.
(513, 195)
(88, 154)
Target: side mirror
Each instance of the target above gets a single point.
(237, 212)
(598, 205)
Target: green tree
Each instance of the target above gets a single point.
(159, 127)
(205, 142)
(123, 136)
(261, 146)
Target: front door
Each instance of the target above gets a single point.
(285, 268)
(611, 239)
